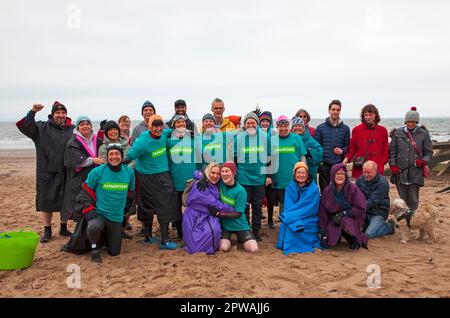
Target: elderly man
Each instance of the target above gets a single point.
(251, 152)
(50, 138)
(222, 123)
(376, 190)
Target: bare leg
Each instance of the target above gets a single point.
(225, 245)
(251, 246)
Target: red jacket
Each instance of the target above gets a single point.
(378, 149)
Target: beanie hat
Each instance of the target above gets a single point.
(297, 121)
(58, 106)
(153, 118)
(208, 116)
(114, 146)
(180, 102)
(266, 116)
(283, 119)
(299, 165)
(251, 115)
(412, 115)
(177, 118)
(147, 104)
(110, 125)
(82, 118)
(235, 119)
(231, 165)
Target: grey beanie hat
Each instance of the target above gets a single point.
(412, 115)
(251, 115)
(208, 116)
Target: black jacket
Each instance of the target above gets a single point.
(50, 141)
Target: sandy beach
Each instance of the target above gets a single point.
(415, 269)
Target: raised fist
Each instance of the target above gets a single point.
(37, 107)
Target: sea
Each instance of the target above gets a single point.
(12, 139)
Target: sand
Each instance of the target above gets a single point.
(415, 269)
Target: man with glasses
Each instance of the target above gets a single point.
(222, 123)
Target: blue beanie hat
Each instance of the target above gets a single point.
(81, 119)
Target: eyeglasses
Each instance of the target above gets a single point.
(340, 173)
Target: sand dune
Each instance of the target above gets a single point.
(416, 269)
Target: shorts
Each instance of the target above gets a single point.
(243, 236)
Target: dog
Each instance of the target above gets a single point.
(422, 219)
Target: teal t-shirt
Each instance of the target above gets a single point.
(235, 197)
(184, 158)
(111, 189)
(252, 154)
(286, 152)
(150, 154)
(217, 147)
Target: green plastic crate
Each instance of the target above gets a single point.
(17, 249)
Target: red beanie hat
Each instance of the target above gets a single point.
(231, 165)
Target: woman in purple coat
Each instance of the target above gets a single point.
(342, 211)
(201, 228)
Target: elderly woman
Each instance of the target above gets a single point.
(313, 148)
(303, 114)
(201, 228)
(342, 211)
(80, 157)
(298, 230)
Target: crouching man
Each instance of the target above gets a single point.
(376, 190)
(110, 192)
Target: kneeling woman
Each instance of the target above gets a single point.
(298, 230)
(106, 195)
(201, 230)
(342, 211)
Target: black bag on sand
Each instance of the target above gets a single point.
(78, 243)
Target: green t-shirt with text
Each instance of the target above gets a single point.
(236, 197)
(111, 190)
(286, 152)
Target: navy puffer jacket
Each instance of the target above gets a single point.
(330, 137)
(377, 195)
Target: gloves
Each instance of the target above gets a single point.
(257, 111)
(213, 210)
(203, 183)
(103, 123)
(420, 163)
(395, 170)
(323, 239)
(336, 219)
(91, 215)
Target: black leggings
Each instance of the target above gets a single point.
(164, 228)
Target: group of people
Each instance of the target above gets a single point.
(223, 173)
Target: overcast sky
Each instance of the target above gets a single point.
(105, 58)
